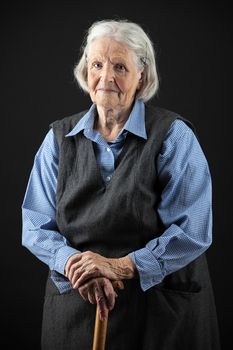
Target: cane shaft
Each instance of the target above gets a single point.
(100, 332)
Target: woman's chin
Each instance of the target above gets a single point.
(107, 102)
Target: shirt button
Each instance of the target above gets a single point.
(108, 178)
(108, 149)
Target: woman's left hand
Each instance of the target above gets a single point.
(84, 266)
(100, 291)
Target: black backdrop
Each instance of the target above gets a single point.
(39, 46)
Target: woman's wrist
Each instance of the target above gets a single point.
(127, 267)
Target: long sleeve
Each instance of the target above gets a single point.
(185, 208)
(40, 234)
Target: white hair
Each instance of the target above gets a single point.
(135, 38)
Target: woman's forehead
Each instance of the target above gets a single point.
(108, 46)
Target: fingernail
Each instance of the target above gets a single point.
(102, 318)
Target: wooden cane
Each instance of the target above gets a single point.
(100, 330)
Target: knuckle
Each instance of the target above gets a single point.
(83, 289)
(94, 268)
(72, 258)
(100, 299)
(72, 269)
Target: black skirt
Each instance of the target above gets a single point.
(170, 316)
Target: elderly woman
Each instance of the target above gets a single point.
(122, 191)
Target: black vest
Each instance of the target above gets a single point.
(114, 219)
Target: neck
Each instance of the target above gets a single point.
(110, 122)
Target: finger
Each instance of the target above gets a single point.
(72, 260)
(77, 269)
(88, 274)
(76, 275)
(83, 291)
(91, 296)
(72, 272)
(101, 301)
(87, 292)
(110, 294)
(118, 285)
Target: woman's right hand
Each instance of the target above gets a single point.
(100, 291)
(82, 267)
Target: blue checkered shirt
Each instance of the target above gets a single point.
(185, 207)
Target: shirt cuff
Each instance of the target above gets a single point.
(63, 254)
(148, 267)
(62, 283)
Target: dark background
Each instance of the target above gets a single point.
(39, 46)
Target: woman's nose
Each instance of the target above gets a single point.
(107, 73)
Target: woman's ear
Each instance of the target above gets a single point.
(140, 80)
(141, 74)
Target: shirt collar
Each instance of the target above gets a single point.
(135, 123)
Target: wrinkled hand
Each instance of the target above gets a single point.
(81, 267)
(100, 291)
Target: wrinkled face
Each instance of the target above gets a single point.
(112, 76)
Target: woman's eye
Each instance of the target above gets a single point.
(120, 67)
(97, 65)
